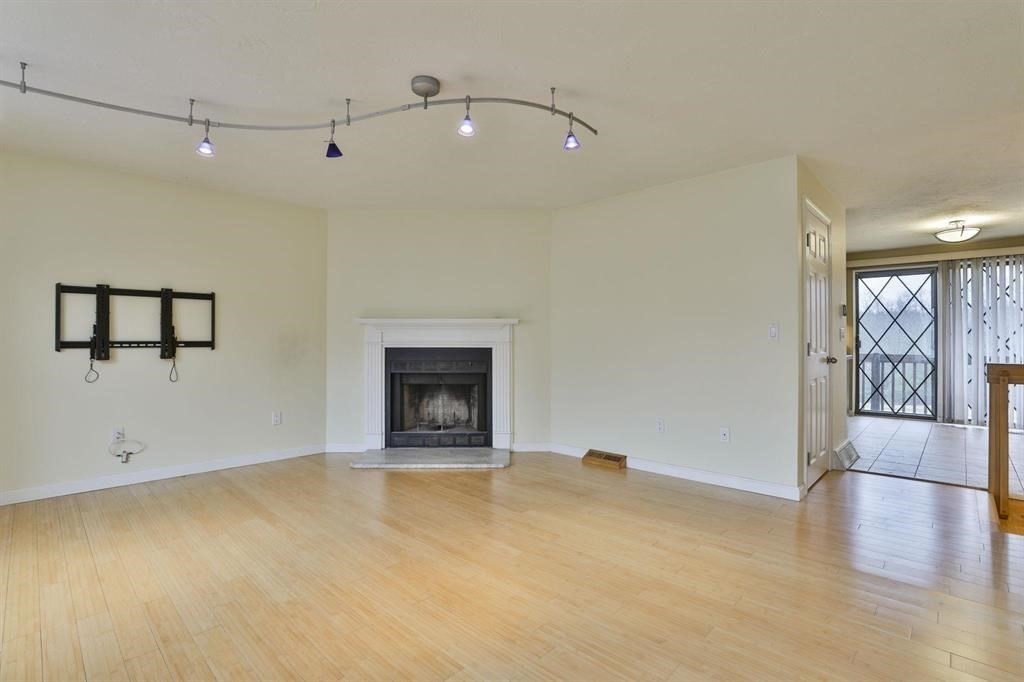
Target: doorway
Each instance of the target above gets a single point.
(896, 340)
(819, 360)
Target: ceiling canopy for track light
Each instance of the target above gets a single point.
(424, 87)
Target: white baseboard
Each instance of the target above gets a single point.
(345, 447)
(531, 447)
(116, 480)
(750, 485)
(146, 475)
(567, 450)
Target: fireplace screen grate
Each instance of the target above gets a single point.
(441, 407)
(438, 397)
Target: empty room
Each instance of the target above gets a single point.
(512, 340)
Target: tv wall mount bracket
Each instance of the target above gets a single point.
(100, 343)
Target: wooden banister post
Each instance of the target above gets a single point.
(999, 378)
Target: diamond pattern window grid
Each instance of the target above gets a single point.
(899, 367)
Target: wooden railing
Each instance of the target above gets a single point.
(999, 378)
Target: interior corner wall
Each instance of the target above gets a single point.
(441, 264)
(810, 187)
(661, 301)
(78, 224)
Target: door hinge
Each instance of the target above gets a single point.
(808, 349)
(808, 239)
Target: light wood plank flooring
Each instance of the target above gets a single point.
(306, 569)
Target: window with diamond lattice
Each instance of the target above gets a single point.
(896, 335)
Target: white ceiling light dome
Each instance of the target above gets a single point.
(958, 231)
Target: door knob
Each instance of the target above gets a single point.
(831, 359)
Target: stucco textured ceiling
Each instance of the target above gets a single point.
(913, 113)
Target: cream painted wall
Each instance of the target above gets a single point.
(661, 301)
(437, 264)
(810, 188)
(651, 304)
(64, 222)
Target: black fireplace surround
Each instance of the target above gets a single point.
(437, 397)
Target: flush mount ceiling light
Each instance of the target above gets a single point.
(424, 87)
(958, 231)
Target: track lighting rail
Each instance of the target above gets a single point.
(23, 87)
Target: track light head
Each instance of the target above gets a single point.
(572, 143)
(206, 148)
(333, 152)
(466, 128)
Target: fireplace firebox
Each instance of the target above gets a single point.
(437, 397)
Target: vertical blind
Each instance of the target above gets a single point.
(984, 323)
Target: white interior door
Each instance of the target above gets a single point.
(817, 386)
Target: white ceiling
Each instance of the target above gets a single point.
(913, 113)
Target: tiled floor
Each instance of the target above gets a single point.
(930, 452)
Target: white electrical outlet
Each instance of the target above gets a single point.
(117, 434)
(275, 418)
(659, 425)
(724, 435)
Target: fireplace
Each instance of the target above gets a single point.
(437, 397)
(493, 337)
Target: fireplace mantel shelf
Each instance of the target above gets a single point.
(438, 322)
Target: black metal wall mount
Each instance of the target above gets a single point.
(100, 343)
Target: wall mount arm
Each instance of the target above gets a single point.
(101, 343)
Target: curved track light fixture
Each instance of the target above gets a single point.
(423, 86)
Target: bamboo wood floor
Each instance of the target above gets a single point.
(307, 569)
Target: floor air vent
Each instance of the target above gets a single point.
(845, 457)
(609, 460)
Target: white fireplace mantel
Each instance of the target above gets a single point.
(493, 333)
